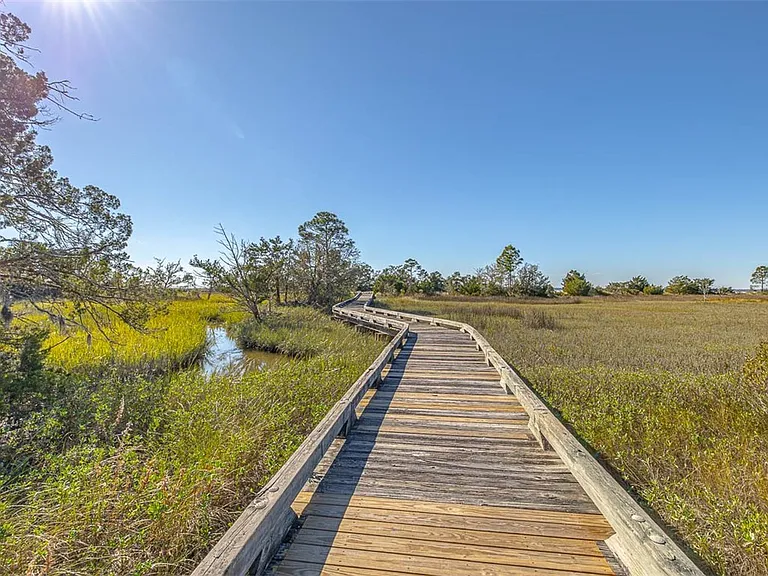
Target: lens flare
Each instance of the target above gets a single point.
(83, 24)
(74, 13)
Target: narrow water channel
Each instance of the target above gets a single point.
(224, 355)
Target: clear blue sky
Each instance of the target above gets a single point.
(616, 138)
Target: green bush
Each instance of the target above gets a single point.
(24, 381)
(653, 290)
(577, 287)
(682, 285)
(635, 285)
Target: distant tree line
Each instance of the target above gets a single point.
(576, 284)
(408, 278)
(676, 285)
(322, 266)
(509, 275)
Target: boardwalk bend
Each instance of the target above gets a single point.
(440, 461)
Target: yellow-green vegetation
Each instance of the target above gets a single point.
(174, 338)
(300, 333)
(138, 476)
(661, 389)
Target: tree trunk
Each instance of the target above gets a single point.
(277, 290)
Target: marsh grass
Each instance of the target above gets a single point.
(162, 466)
(538, 320)
(176, 338)
(661, 389)
(296, 332)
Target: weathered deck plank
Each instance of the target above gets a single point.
(441, 475)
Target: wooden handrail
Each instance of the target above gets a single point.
(639, 542)
(249, 544)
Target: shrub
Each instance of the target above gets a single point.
(530, 281)
(24, 382)
(653, 290)
(682, 285)
(576, 287)
(576, 284)
(635, 285)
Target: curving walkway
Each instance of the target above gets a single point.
(441, 476)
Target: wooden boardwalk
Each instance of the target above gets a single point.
(441, 476)
(440, 460)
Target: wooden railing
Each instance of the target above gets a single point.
(248, 546)
(640, 543)
(367, 319)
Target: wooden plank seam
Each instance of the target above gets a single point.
(640, 543)
(249, 544)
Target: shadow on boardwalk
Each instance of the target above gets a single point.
(344, 472)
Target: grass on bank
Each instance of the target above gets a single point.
(661, 389)
(175, 338)
(141, 476)
(298, 332)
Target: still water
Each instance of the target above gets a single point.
(225, 355)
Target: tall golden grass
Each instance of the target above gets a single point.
(660, 388)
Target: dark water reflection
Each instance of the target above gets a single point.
(224, 355)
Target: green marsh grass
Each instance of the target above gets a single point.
(296, 332)
(162, 466)
(175, 338)
(660, 388)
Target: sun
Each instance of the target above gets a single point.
(73, 4)
(85, 28)
(72, 11)
(78, 16)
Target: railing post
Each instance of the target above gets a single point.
(350, 420)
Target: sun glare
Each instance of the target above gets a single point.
(88, 18)
(73, 8)
(72, 4)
